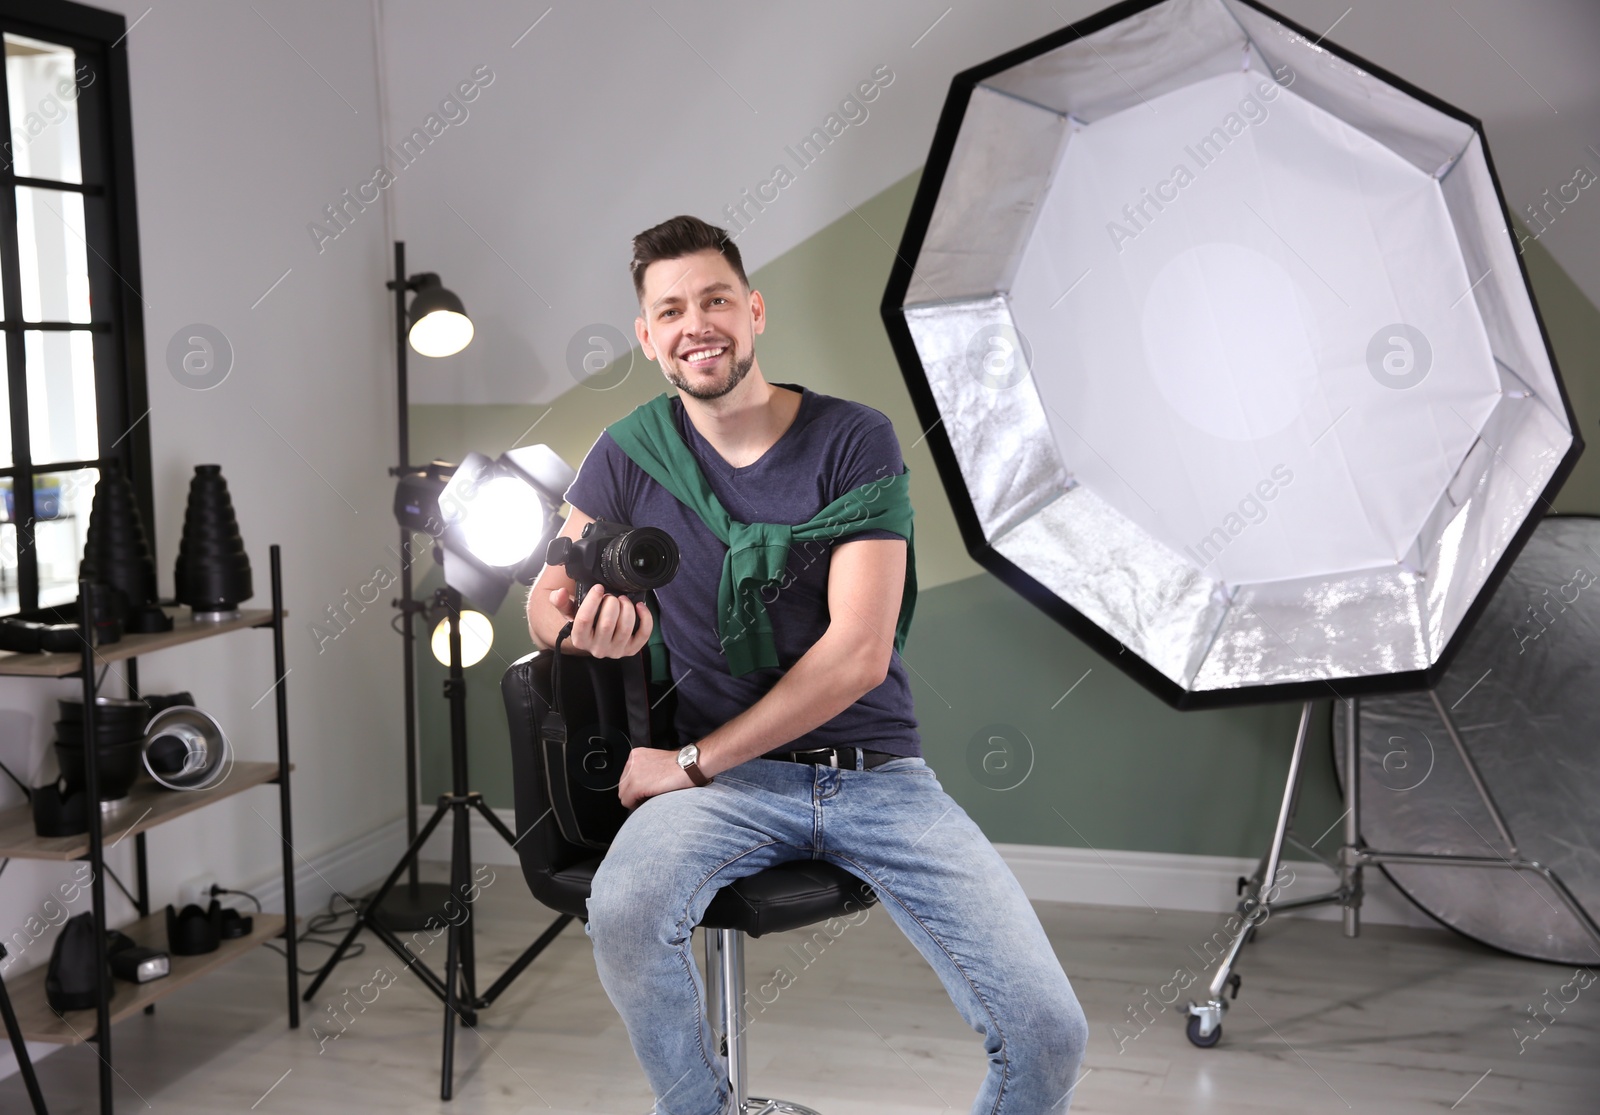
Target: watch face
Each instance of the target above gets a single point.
(687, 754)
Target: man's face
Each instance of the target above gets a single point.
(699, 323)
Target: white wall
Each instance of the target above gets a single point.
(238, 144)
(611, 116)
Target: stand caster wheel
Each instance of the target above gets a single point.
(1193, 1033)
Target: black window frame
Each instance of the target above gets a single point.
(116, 326)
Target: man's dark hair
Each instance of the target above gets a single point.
(681, 236)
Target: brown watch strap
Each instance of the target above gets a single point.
(696, 775)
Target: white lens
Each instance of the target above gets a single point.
(442, 333)
(502, 521)
(477, 636)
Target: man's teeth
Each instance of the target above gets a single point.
(708, 354)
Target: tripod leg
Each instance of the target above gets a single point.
(1205, 1022)
(1349, 861)
(461, 885)
(495, 823)
(447, 1070)
(376, 901)
(457, 944)
(24, 1062)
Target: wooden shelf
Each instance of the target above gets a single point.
(40, 1023)
(148, 804)
(184, 630)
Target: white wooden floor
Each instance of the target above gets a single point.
(1401, 1020)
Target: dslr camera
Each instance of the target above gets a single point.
(623, 560)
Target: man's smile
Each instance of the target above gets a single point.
(699, 357)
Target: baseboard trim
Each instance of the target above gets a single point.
(1162, 880)
(1171, 881)
(348, 868)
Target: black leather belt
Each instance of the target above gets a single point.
(837, 757)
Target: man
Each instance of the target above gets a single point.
(796, 713)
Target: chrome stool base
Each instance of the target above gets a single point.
(725, 1006)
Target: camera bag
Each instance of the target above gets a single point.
(599, 710)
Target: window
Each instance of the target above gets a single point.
(70, 304)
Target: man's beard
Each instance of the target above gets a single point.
(737, 370)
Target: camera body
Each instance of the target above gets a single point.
(624, 560)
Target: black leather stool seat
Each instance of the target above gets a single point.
(787, 896)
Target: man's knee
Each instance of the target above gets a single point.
(628, 906)
(1053, 1033)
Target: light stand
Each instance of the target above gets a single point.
(423, 906)
(457, 989)
(409, 908)
(1257, 904)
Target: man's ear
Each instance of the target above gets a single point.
(643, 334)
(758, 312)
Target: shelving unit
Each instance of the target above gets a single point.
(40, 1023)
(147, 806)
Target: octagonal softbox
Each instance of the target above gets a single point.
(1226, 351)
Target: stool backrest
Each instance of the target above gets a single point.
(565, 789)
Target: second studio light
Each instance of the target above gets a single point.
(492, 517)
(439, 322)
(477, 636)
(498, 515)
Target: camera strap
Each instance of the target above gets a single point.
(582, 761)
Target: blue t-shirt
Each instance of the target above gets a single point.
(832, 447)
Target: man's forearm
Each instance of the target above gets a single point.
(828, 678)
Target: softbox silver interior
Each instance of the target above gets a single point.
(1226, 353)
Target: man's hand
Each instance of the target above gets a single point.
(648, 772)
(605, 626)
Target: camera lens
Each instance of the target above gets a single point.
(640, 559)
(647, 559)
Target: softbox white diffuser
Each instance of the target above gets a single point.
(1229, 359)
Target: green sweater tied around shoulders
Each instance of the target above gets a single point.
(758, 553)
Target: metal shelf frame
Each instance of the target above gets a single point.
(85, 668)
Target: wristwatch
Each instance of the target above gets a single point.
(689, 760)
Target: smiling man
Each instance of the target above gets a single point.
(794, 706)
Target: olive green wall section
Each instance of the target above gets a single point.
(1106, 766)
(823, 330)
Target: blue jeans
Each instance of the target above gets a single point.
(895, 828)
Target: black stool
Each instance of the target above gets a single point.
(559, 872)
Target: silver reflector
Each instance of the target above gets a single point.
(1226, 353)
(1523, 691)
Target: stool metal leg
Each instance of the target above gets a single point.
(714, 1005)
(730, 946)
